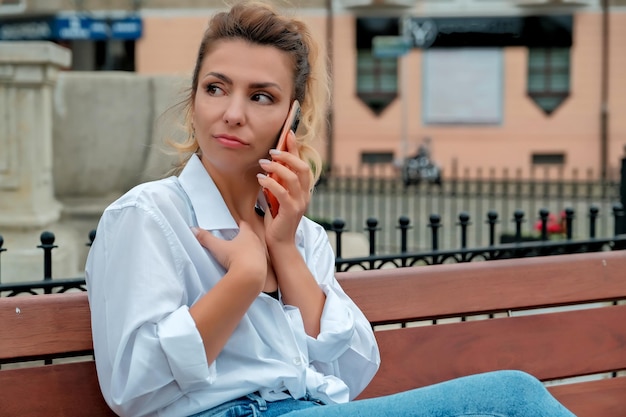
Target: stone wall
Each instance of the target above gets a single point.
(70, 143)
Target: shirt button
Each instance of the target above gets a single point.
(297, 361)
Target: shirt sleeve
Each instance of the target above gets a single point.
(148, 351)
(346, 346)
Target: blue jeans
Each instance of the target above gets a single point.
(492, 394)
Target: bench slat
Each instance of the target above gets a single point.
(603, 398)
(549, 346)
(34, 323)
(62, 390)
(464, 289)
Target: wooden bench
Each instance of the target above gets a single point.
(550, 345)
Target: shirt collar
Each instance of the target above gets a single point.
(207, 202)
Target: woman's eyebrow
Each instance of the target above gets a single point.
(265, 85)
(256, 85)
(220, 76)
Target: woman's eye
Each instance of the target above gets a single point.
(214, 90)
(262, 98)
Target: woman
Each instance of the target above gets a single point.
(205, 304)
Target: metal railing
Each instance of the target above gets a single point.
(378, 192)
(543, 244)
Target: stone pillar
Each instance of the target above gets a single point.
(28, 72)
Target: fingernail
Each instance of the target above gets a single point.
(261, 176)
(274, 152)
(195, 230)
(264, 161)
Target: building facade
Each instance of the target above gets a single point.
(495, 87)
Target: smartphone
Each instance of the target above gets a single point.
(291, 124)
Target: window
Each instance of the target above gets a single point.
(548, 77)
(377, 80)
(369, 158)
(548, 158)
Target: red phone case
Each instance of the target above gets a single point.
(291, 123)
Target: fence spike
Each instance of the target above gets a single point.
(569, 222)
(92, 237)
(47, 244)
(618, 213)
(338, 227)
(492, 220)
(544, 214)
(464, 222)
(372, 227)
(435, 224)
(518, 218)
(404, 226)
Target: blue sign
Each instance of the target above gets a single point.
(126, 28)
(71, 27)
(78, 27)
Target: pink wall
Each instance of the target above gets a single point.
(574, 128)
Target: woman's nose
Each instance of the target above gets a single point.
(235, 113)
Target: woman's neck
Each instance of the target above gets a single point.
(239, 190)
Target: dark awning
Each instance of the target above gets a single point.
(439, 32)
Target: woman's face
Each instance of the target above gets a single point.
(243, 97)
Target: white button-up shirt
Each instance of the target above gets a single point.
(146, 268)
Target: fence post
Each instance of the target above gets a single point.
(92, 237)
(464, 218)
(594, 212)
(622, 192)
(372, 228)
(492, 220)
(569, 221)
(404, 226)
(618, 214)
(435, 224)
(1, 250)
(518, 218)
(543, 217)
(47, 244)
(337, 227)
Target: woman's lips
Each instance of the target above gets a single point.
(230, 141)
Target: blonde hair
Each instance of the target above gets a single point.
(259, 23)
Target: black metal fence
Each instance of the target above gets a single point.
(524, 217)
(519, 247)
(47, 285)
(514, 246)
(379, 192)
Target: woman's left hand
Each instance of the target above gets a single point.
(292, 190)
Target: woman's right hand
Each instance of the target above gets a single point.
(218, 312)
(245, 253)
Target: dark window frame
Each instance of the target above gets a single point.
(547, 73)
(555, 158)
(377, 157)
(375, 95)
